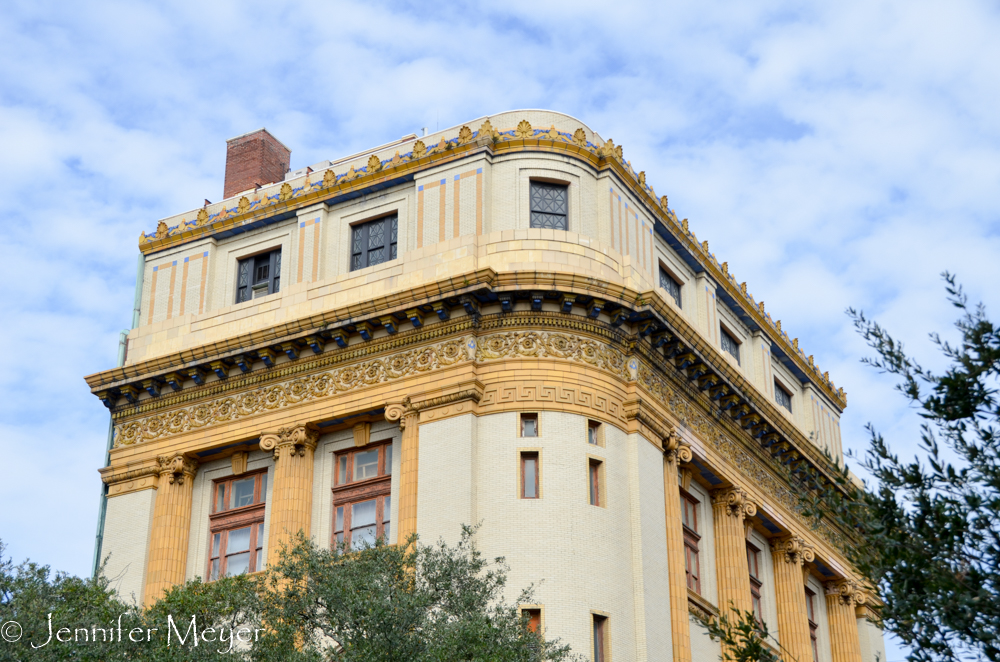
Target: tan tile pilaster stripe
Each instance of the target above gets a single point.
(409, 452)
(168, 542)
(789, 554)
(841, 599)
(730, 508)
(676, 452)
(291, 496)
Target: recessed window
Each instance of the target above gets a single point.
(692, 567)
(236, 526)
(549, 205)
(529, 475)
(782, 397)
(595, 433)
(729, 344)
(600, 638)
(258, 276)
(672, 287)
(374, 242)
(361, 496)
(533, 619)
(813, 626)
(595, 482)
(753, 562)
(529, 425)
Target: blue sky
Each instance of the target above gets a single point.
(835, 154)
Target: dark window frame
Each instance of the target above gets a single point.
(600, 624)
(227, 519)
(349, 492)
(363, 252)
(248, 280)
(547, 210)
(813, 625)
(671, 285)
(756, 584)
(595, 482)
(733, 348)
(594, 436)
(787, 401)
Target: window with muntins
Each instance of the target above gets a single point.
(361, 495)
(374, 242)
(729, 344)
(258, 276)
(236, 525)
(782, 397)
(672, 287)
(549, 205)
(689, 517)
(813, 627)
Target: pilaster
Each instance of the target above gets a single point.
(842, 598)
(731, 507)
(291, 501)
(674, 454)
(789, 554)
(409, 425)
(171, 527)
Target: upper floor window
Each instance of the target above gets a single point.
(782, 397)
(730, 344)
(549, 205)
(236, 526)
(753, 562)
(813, 627)
(374, 242)
(672, 287)
(692, 567)
(362, 502)
(258, 276)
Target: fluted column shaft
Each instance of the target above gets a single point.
(841, 599)
(676, 569)
(730, 508)
(171, 527)
(789, 555)
(291, 495)
(408, 473)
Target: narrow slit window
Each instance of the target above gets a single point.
(595, 482)
(692, 567)
(753, 563)
(529, 475)
(600, 638)
(813, 625)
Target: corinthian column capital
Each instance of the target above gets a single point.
(845, 592)
(176, 468)
(734, 502)
(294, 439)
(793, 550)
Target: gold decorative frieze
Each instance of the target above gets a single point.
(545, 344)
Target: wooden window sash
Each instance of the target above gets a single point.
(600, 638)
(524, 459)
(348, 500)
(383, 471)
(594, 479)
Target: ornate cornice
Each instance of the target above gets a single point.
(733, 502)
(792, 549)
(176, 468)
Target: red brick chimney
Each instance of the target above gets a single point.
(254, 159)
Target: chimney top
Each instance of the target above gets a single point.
(253, 160)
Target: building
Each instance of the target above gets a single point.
(499, 323)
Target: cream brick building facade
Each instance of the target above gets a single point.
(623, 321)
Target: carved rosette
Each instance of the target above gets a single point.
(793, 550)
(176, 468)
(675, 450)
(293, 441)
(847, 592)
(734, 502)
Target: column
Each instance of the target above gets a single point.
(674, 454)
(841, 599)
(168, 541)
(291, 501)
(730, 508)
(789, 555)
(409, 425)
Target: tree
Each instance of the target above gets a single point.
(931, 526)
(743, 637)
(378, 604)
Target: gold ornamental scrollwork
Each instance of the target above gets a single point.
(545, 344)
(396, 411)
(293, 440)
(675, 450)
(847, 592)
(176, 468)
(793, 549)
(734, 502)
(294, 391)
